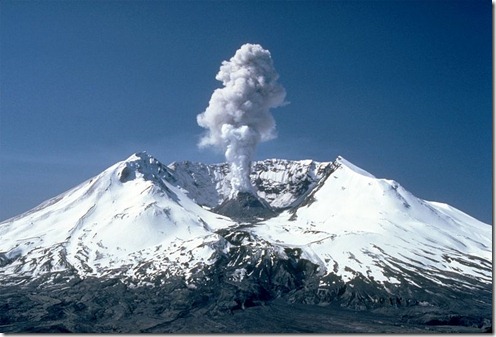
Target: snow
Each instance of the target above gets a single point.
(103, 221)
(156, 219)
(350, 166)
(353, 212)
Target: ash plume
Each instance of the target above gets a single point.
(238, 116)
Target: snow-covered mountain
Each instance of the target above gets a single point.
(128, 214)
(335, 234)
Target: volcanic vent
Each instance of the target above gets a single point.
(245, 206)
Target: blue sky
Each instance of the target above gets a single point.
(402, 89)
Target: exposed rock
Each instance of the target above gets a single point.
(245, 206)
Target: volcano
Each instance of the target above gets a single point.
(148, 247)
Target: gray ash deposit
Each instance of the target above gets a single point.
(245, 206)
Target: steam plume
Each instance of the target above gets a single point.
(238, 115)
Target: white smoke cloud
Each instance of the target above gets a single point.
(238, 115)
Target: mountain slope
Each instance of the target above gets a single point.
(316, 233)
(355, 223)
(117, 218)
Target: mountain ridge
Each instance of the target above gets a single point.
(335, 234)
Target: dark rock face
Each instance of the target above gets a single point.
(245, 206)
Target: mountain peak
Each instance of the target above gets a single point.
(142, 163)
(141, 156)
(343, 162)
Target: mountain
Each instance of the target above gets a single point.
(172, 249)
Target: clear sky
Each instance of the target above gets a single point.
(402, 89)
